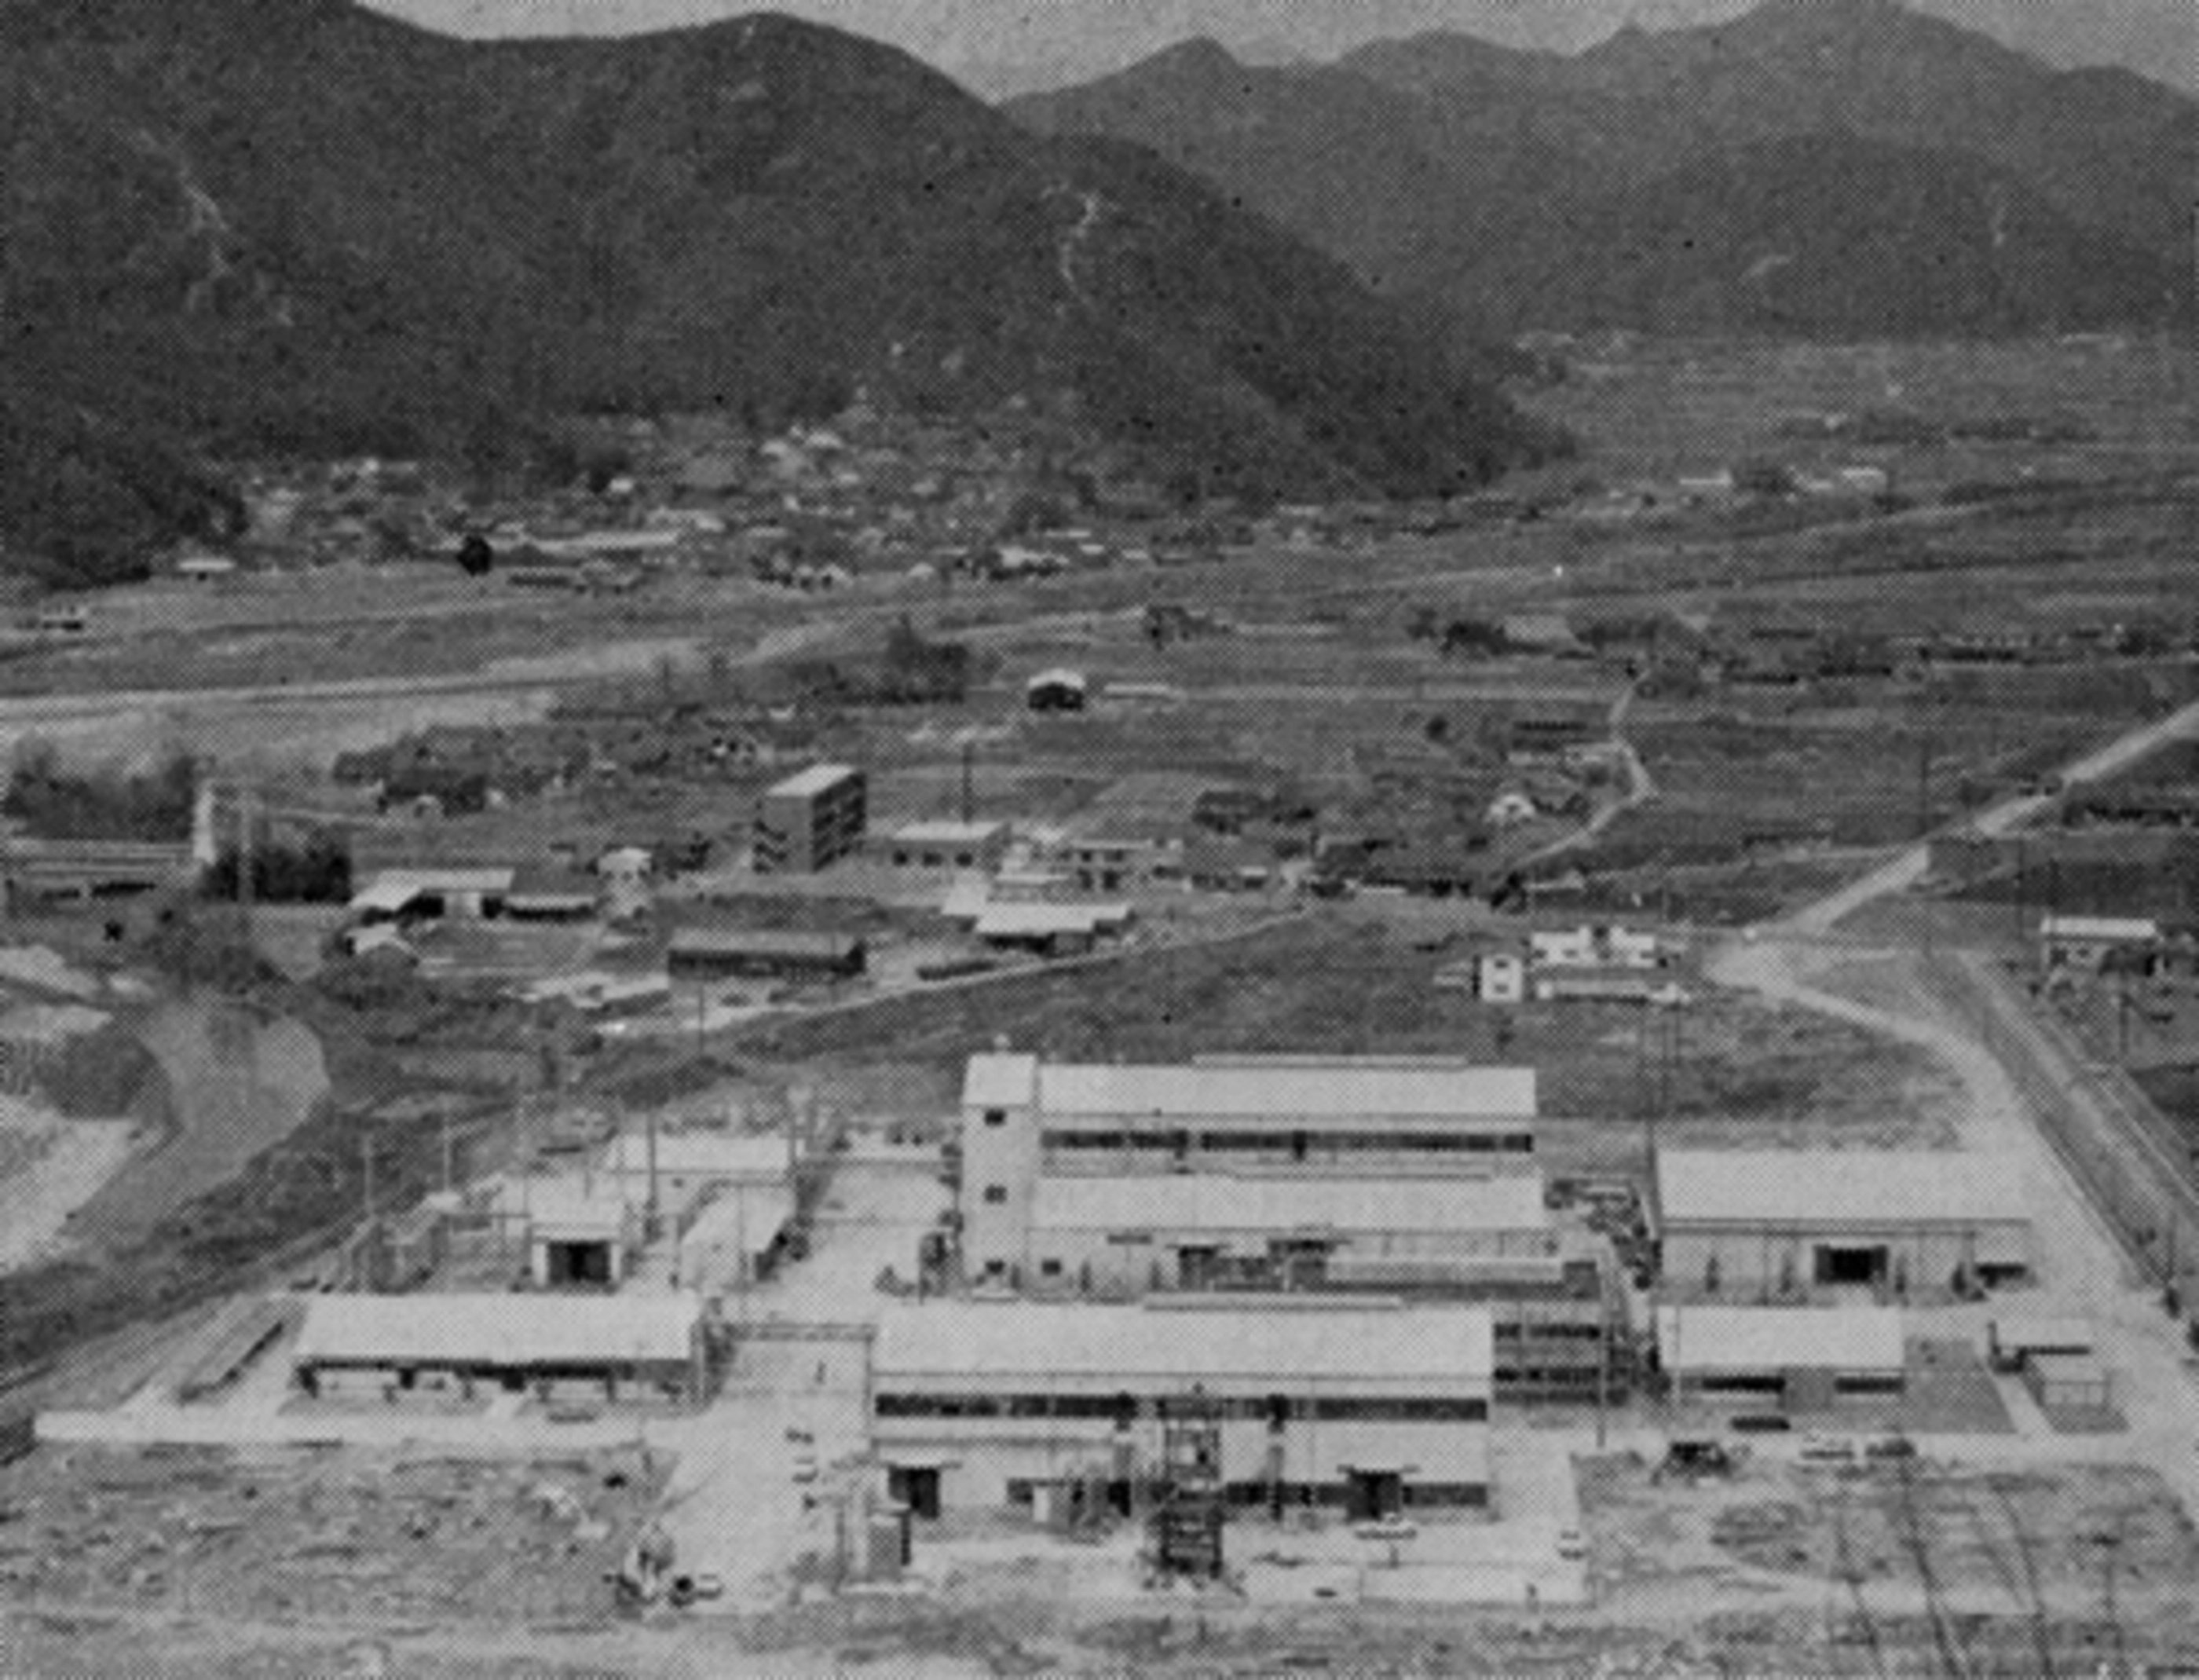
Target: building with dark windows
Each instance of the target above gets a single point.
(1370, 1408)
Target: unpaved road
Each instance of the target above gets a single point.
(2085, 1272)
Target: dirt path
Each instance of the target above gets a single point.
(2085, 1270)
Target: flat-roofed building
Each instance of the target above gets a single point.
(581, 1233)
(1800, 1359)
(1797, 1224)
(1376, 1408)
(612, 1346)
(811, 820)
(946, 845)
(1048, 930)
(1213, 1231)
(1489, 1241)
(2089, 942)
(1024, 1119)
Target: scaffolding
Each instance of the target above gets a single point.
(1189, 1503)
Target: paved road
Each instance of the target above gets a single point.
(2084, 1269)
(1908, 868)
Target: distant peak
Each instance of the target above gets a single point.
(1201, 55)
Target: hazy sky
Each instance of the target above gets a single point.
(1006, 45)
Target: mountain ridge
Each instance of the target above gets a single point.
(313, 228)
(1486, 167)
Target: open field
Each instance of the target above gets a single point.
(1679, 405)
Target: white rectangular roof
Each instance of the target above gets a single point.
(1017, 1341)
(816, 780)
(2118, 929)
(947, 833)
(1000, 1080)
(500, 1329)
(1013, 921)
(384, 895)
(1217, 1203)
(1338, 1090)
(1844, 1186)
(1709, 1340)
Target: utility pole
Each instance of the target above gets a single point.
(969, 785)
(1924, 787)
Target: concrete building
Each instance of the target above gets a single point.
(581, 1234)
(698, 955)
(1797, 1359)
(1048, 930)
(947, 845)
(1129, 1235)
(1024, 1120)
(2089, 942)
(1501, 977)
(1376, 1410)
(810, 821)
(608, 1348)
(1801, 1224)
(93, 869)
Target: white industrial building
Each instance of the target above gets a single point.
(602, 1347)
(1128, 1235)
(1796, 1359)
(1376, 1408)
(1796, 1224)
(1025, 1120)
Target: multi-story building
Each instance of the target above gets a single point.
(810, 821)
(1024, 1120)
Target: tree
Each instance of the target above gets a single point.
(475, 557)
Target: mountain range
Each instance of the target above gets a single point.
(1831, 167)
(1005, 48)
(261, 227)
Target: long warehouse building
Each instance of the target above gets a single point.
(1377, 1409)
(1793, 1225)
(1025, 1121)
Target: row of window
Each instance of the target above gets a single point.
(1275, 1410)
(1022, 1491)
(1297, 1143)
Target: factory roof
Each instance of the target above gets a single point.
(1029, 921)
(1712, 1339)
(500, 1329)
(1005, 1341)
(2115, 930)
(816, 780)
(947, 833)
(1279, 1088)
(1218, 1203)
(1848, 1187)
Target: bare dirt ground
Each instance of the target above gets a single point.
(237, 1085)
